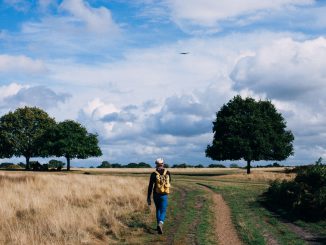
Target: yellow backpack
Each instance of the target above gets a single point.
(162, 185)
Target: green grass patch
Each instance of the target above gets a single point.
(255, 224)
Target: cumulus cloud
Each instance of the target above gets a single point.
(10, 90)
(287, 69)
(97, 20)
(32, 96)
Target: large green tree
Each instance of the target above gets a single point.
(71, 140)
(6, 149)
(22, 130)
(250, 130)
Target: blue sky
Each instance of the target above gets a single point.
(115, 66)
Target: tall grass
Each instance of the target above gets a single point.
(67, 209)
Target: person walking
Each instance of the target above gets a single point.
(159, 181)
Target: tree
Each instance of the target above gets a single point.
(250, 130)
(105, 164)
(22, 130)
(71, 140)
(55, 164)
(6, 150)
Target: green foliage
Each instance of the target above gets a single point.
(274, 165)
(182, 165)
(71, 140)
(56, 164)
(199, 166)
(305, 196)
(216, 166)
(36, 166)
(234, 165)
(250, 130)
(8, 165)
(105, 164)
(138, 165)
(21, 131)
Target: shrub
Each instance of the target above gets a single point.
(305, 196)
(55, 164)
(234, 165)
(216, 166)
(8, 165)
(105, 164)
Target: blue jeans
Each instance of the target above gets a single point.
(161, 203)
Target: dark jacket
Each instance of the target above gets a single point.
(152, 182)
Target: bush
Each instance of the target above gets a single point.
(8, 165)
(55, 164)
(305, 196)
(234, 165)
(36, 166)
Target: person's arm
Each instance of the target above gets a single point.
(169, 176)
(150, 189)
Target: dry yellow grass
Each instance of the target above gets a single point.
(67, 209)
(261, 174)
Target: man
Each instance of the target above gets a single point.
(160, 181)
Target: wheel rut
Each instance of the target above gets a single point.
(225, 231)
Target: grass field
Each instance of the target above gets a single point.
(107, 206)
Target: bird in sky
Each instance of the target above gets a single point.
(184, 53)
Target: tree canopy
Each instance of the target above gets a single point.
(250, 130)
(21, 130)
(71, 140)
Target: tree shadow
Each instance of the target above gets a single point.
(289, 218)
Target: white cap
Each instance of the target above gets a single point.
(159, 161)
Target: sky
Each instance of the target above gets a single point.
(115, 66)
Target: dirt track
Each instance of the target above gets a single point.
(225, 231)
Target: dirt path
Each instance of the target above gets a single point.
(308, 237)
(225, 231)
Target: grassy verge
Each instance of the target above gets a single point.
(255, 224)
(188, 221)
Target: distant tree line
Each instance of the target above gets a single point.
(30, 132)
(106, 164)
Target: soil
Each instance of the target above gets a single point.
(305, 235)
(225, 231)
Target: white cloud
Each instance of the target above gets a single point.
(21, 64)
(189, 14)
(18, 96)
(10, 90)
(287, 69)
(72, 28)
(97, 20)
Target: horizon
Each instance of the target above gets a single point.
(149, 75)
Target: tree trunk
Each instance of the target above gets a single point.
(248, 166)
(27, 163)
(68, 163)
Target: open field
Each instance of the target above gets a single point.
(43, 208)
(107, 206)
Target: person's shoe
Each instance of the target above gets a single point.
(160, 228)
